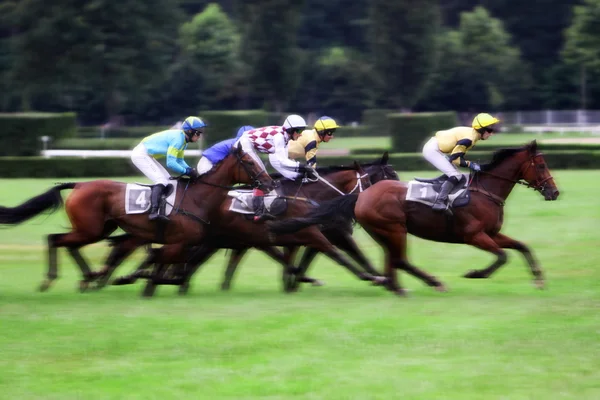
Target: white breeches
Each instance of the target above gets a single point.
(204, 165)
(149, 166)
(432, 153)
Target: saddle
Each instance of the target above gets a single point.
(425, 191)
(241, 202)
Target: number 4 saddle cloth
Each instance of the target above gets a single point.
(137, 198)
(426, 191)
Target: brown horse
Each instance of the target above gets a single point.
(235, 230)
(97, 208)
(388, 217)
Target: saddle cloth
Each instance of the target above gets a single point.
(137, 198)
(426, 193)
(242, 201)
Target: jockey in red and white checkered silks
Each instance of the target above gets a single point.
(273, 140)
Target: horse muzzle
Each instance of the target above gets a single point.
(551, 194)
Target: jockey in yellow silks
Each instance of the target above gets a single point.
(307, 144)
(447, 149)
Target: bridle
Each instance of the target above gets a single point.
(539, 185)
(256, 183)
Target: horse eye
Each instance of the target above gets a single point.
(541, 166)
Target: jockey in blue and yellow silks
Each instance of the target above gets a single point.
(218, 151)
(170, 144)
(308, 142)
(447, 149)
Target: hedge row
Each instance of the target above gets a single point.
(39, 167)
(493, 147)
(410, 131)
(21, 132)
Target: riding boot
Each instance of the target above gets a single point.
(156, 200)
(442, 198)
(260, 211)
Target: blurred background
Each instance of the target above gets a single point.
(105, 74)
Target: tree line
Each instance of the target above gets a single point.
(154, 60)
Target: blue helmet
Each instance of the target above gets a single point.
(192, 124)
(243, 129)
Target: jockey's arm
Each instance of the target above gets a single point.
(459, 151)
(175, 160)
(280, 160)
(311, 153)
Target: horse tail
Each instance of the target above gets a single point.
(50, 199)
(328, 213)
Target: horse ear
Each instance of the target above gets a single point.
(384, 158)
(357, 166)
(239, 147)
(533, 146)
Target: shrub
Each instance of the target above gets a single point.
(21, 132)
(409, 132)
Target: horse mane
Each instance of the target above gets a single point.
(502, 154)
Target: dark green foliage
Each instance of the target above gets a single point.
(409, 132)
(225, 124)
(20, 132)
(376, 120)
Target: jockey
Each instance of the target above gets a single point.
(308, 142)
(447, 149)
(273, 140)
(218, 151)
(170, 144)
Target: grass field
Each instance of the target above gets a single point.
(486, 339)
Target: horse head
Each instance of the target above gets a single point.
(240, 167)
(525, 166)
(537, 175)
(380, 170)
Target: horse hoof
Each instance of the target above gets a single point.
(225, 287)
(441, 288)
(83, 286)
(45, 285)
(183, 289)
(121, 281)
(317, 282)
(400, 292)
(540, 284)
(367, 277)
(474, 274)
(379, 280)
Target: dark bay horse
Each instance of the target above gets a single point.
(385, 214)
(236, 231)
(96, 208)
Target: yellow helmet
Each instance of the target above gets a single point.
(482, 120)
(325, 124)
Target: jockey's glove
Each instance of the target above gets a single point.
(474, 166)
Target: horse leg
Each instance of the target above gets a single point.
(122, 248)
(300, 276)
(506, 242)
(139, 271)
(344, 241)
(83, 266)
(151, 283)
(195, 261)
(318, 241)
(234, 261)
(483, 241)
(73, 241)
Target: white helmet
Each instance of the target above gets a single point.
(294, 121)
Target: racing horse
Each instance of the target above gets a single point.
(388, 217)
(97, 208)
(235, 231)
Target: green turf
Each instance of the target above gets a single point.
(487, 339)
